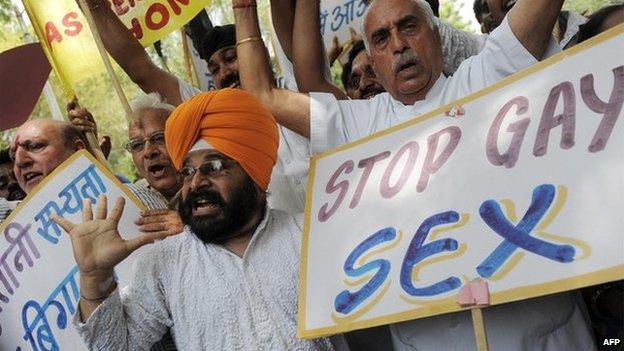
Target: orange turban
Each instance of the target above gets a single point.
(233, 122)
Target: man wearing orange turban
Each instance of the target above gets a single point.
(229, 280)
(231, 121)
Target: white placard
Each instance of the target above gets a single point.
(200, 66)
(521, 184)
(39, 289)
(337, 16)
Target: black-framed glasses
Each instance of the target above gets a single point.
(211, 168)
(137, 145)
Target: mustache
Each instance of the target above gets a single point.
(229, 80)
(405, 58)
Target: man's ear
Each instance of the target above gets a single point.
(79, 144)
(259, 192)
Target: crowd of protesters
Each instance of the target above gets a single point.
(223, 174)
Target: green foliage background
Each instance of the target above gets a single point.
(97, 93)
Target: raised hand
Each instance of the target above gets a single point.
(97, 245)
(81, 117)
(160, 223)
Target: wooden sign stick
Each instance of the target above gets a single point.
(187, 59)
(479, 328)
(109, 68)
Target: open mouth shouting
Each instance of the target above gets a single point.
(32, 178)
(408, 67)
(204, 202)
(205, 207)
(158, 170)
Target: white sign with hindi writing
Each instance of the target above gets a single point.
(521, 184)
(337, 16)
(38, 274)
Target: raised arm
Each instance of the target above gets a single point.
(131, 56)
(532, 22)
(309, 60)
(290, 109)
(283, 16)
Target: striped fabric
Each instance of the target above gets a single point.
(5, 209)
(152, 199)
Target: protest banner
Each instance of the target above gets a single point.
(63, 30)
(337, 16)
(520, 184)
(38, 274)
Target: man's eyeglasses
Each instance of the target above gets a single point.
(211, 168)
(137, 145)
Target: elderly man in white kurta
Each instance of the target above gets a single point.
(404, 49)
(229, 281)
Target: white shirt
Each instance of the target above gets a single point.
(574, 22)
(555, 322)
(209, 297)
(289, 178)
(334, 123)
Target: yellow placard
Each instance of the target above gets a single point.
(63, 31)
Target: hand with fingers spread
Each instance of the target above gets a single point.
(98, 248)
(160, 223)
(97, 245)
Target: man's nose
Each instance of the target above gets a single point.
(199, 181)
(22, 159)
(398, 42)
(365, 81)
(150, 151)
(224, 72)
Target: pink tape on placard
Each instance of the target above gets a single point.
(475, 293)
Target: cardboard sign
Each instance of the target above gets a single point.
(520, 184)
(38, 274)
(68, 42)
(336, 18)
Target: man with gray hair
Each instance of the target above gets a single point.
(405, 51)
(146, 144)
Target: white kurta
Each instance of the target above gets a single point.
(210, 298)
(289, 178)
(334, 123)
(555, 322)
